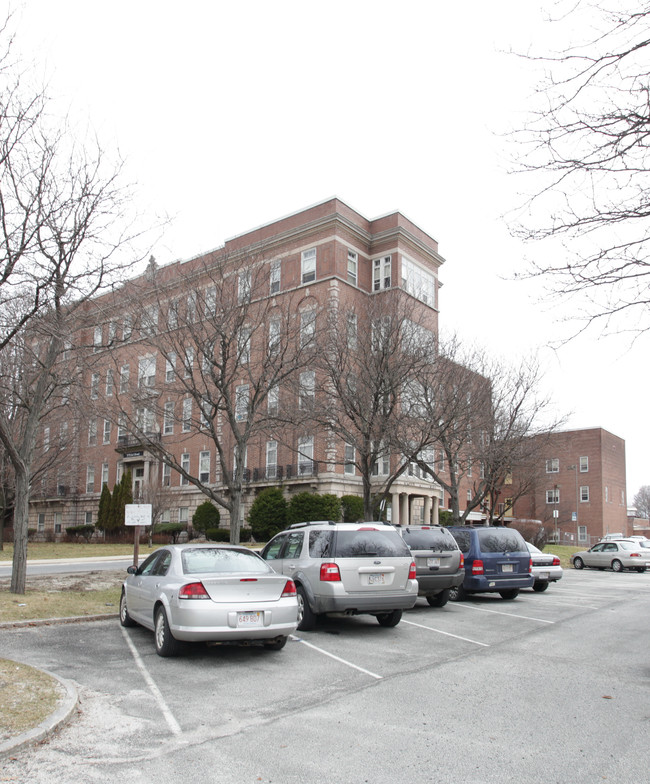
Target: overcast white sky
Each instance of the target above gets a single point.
(232, 114)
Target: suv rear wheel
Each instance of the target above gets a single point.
(440, 599)
(457, 594)
(509, 593)
(306, 616)
(390, 619)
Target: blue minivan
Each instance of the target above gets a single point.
(496, 561)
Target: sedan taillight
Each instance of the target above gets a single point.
(530, 565)
(193, 591)
(289, 589)
(412, 571)
(477, 567)
(556, 561)
(635, 555)
(329, 573)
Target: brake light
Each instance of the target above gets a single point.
(477, 567)
(462, 561)
(635, 555)
(530, 565)
(368, 528)
(289, 589)
(412, 571)
(329, 573)
(556, 561)
(248, 580)
(193, 591)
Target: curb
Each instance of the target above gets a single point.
(51, 621)
(62, 714)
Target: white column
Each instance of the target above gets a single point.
(435, 517)
(404, 509)
(427, 510)
(394, 505)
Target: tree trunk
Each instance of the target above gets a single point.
(21, 521)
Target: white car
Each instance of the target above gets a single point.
(546, 568)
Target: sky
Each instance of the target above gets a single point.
(230, 115)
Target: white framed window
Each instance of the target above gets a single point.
(271, 459)
(58, 522)
(553, 465)
(187, 415)
(553, 496)
(381, 273)
(92, 432)
(40, 525)
(188, 361)
(106, 438)
(147, 371)
(46, 439)
(110, 383)
(351, 330)
(348, 465)
(104, 474)
(183, 515)
(166, 516)
(144, 420)
(90, 479)
(306, 455)
(124, 379)
(172, 314)
(275, 327)
(94, 386)
(276, 271)
(241, 402)
(63, 435)
(191, 307)
(307, 389)
(606, 494)
(244, 345)
(584, 493)
(244, 286)
(127, 328)
(166, 475)
(112, 333)
(582, 533)
(584, 465)
(205, 411)
(204, 467)
(419, 282)
(308, 265)
(97, 338)
(211, 301)
(170, 367)
(273, 400)
(168, 418)
(380, 331)
(381, 466)
(185, 465)
(307, 326)
(149, 321)
(353, 262)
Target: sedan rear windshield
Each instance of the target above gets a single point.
(369, 544)
(438, 540)
(501, 540)
(218, 560)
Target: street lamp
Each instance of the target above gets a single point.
(575, 468)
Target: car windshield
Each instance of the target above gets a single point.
(500, 540)
(220, 560)
(369, 543)
(438, 540)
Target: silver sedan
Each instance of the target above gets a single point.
(211, 593)
(619, 555)
(545, 569)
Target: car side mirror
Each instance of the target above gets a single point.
(132, 569)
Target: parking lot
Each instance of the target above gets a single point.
(551, 687)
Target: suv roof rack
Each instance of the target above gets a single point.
(312, 522)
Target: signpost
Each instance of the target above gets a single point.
(137, 515)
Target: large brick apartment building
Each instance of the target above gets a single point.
(325, 254)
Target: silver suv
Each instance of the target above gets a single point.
(346, 568)
(438, 561)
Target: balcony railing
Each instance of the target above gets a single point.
(279, 473)
(125, 443)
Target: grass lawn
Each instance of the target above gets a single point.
(564, 552)
(27, 697)
(42, 604)
(46, 550)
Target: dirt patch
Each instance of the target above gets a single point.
(88, 581)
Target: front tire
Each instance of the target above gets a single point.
(306, 616)
(617, 566)
(541, 586)
(125, 618)
(509, 593)
(390, 619)
(578, 563)
(166, 643)
(440, 599)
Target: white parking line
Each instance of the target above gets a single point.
(169, 718)
(337, 658)
(509, 615)
(439, 631)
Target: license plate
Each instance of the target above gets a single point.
(249, 619)
(507, 568)
(543, 575)
(433, 561)
(376, 579)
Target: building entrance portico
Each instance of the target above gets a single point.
(415, 506)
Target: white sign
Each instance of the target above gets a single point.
(137, 514)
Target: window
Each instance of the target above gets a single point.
(168, 418)
(147, 371)
(110, 383)
(170, 367)
(271, 459)
(553, 496)
(276, 268)
(58, 522)
(204, 467)
(307, 389)
(348, 466)
(94, 386)
(306, 455)
(307, 326)
(88, 518)
(308, 265)
(172, 314)
(106, 438)
(112, 333)
(211, 301)
(241, 402)
(92, 432)
(63, 435)
(275, 326)
(124, 379)
(244, 286)
(553, 465)
(97, 339)
(244, 345)
(121, 428)
(46, 439)
(149, 321)
(418, 282)
(381, 273)
(166, 516)
(584, 465)
(381, 466)
(187, 415)
(272, 400)
(127, 328)
(40, 526)
(353, 260)
(183, 515)
(167, 475)
(144, 420)
(584, 493)
(191, 307)
(351, 330)
(104, 474)
(90, 479)
(606, 494)
(582, 533)
(380, 332)
(185, 465)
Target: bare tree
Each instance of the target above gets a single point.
(586, 149)
(642, 502)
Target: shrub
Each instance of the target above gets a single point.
(206, 516)
(304, 507)
(352, 506)
(169, 529)
(218, 534)
(445, 517)
(80, 531)
(268, 514)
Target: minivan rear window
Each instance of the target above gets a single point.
(501, 540)
(437, 539)
(369, 544)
